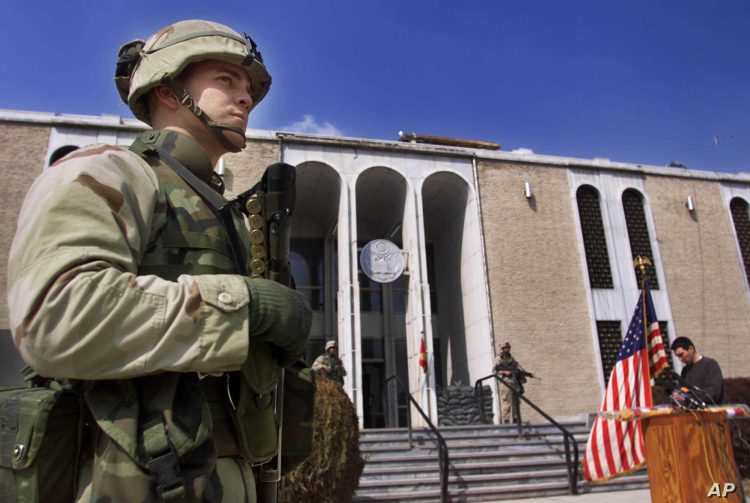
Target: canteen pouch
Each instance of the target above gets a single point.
(299, 409)
(257, 427)
(256, 424)
(40, 439)
(254, 416)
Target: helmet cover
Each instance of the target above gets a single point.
(142, 66)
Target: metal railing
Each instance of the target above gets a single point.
(442, 446)
(568, 439)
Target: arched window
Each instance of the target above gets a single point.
(60, 153)
(640, 241)
(741, 218)
(594, 241)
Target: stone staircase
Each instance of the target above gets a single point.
(487, 463)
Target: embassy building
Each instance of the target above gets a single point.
(531, 249)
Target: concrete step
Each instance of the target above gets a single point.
(462, 468)
(403, 482)
(468, 494)
(471, 431)
(487, 463)
(431, 459)
(469, 445)
(502, 491)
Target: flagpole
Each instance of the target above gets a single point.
(642, 263)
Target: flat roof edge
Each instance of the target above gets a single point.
(111, 121)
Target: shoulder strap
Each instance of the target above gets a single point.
(220, 206)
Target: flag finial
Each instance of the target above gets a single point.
(642, 263)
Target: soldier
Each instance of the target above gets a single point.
(123, 274)
(506, 367)
(329, 364)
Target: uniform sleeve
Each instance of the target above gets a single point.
(77, 307)
(319, 363)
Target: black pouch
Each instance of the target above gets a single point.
(40, 439)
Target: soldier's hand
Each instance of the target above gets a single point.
(280, 316)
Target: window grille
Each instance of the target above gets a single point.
(640, 241)
(610, 340)
(594, 241)
(741, 218)
(664, 329)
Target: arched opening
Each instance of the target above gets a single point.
(594, 240)
(638, 235)
(60, 153)
(381, 196)
(313, 249)
(444, 199)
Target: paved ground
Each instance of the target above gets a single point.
(638, 496)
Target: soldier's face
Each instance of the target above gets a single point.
(223, 91)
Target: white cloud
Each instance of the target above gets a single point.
(308, 124)
(522, 150)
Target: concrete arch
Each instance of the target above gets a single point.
(590, 186)
(61, 152)
(314, 252)
(456, 276)
(384, 202)
(319, 189)
(387, 190)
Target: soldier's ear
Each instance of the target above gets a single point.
(163, 96)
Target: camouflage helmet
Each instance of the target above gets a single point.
(143, 66)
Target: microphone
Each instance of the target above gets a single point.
(691, 398)
(674, 384)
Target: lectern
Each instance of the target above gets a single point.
(690, 458)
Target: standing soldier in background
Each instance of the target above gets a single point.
(124, 274)
(506, 367)
(329, 364)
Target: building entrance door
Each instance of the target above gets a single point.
(383, 352)
(373, 376)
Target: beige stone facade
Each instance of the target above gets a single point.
(22, 152)
(702, 268)
(486, 263)
(539, 299)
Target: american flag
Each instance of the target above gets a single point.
(615, 447)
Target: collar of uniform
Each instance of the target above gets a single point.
(184, 149)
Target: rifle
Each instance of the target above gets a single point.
(518, 371)
(268, 207)
(519, 374)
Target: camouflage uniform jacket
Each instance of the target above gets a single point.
(331, 363)
(119, 274)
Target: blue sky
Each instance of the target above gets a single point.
(641, 81)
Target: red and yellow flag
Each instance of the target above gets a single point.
(423, 355)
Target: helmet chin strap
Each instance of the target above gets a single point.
(186, 99)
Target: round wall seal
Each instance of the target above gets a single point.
(381, 261)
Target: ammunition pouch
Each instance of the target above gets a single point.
(155, 442)
(40, 440)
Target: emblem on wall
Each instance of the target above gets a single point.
(381, 261)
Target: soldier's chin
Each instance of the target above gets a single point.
(235, 138)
